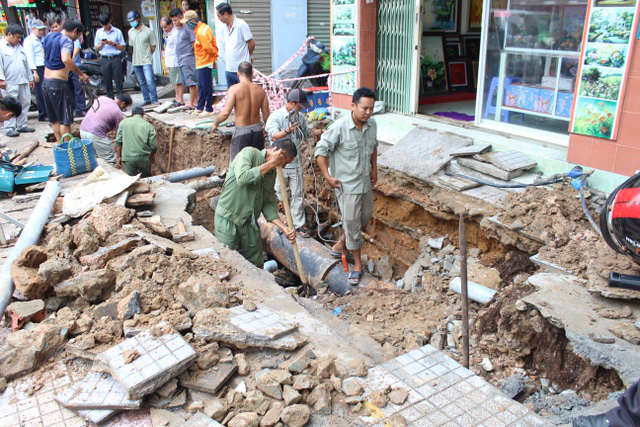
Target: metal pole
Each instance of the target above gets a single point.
(465, 294)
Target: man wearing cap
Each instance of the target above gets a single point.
(110, 43)
(170, 59)
(16, 78)
(247, 100)
(185, 55)
(289, 122)
(206, 51)
(143, 42)
(35, 56)
(136, 144)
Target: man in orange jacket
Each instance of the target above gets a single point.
(206, 51)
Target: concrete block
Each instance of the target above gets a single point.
(510, 160)
(489, 169)
(96, 391)
(212, 380)
(105, 254)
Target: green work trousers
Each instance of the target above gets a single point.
(245, 239)
(140, 166)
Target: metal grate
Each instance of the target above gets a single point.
(319, 20)
(394, 53)
(257, 14)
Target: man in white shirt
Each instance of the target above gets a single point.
(110, 43)
(238, 42)
(35, 57)
(16, 78)
(170, 60)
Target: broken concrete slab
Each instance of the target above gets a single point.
(262, 324)
(201, 291)
(141, 199)
(626, 332)
(105, 254)
(552, 292)
(28, 311)
(430, 152)
(161, 358)
(94, 286)
(489, 169)
(457, 183)
(129, 306)
(55, 270)
(471, 150)
(509, 160)
(201, 420)
(96, 390)
(164, 418)
(109, 218)
(164, 244)
(212, 380)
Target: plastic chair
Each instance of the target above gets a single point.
(489, 109)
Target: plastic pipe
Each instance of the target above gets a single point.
(207, 184)
(478, 293)
(270, 266)
(183, 175)
(29, 236)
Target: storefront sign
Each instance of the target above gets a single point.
(148, 9)
(604, 67)
(18, 3)
(344, 32)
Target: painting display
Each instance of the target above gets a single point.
(475, 16)
(432, 65)
(604, 68)
(440, 16)
(344, 45)
(458, 74)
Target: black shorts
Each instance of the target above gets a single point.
(246, 136)
(57, 101)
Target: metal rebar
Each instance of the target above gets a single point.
(465, 294)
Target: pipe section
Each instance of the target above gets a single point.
(478, 293)
(318, 265)
(29, 236)
(207, 184)
(183, 175)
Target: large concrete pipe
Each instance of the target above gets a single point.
(29, 236)
(317, 264)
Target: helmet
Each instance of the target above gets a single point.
(134, 14)
(620, 219)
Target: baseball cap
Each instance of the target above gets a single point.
(188, 16)
(38, 24)
(299, 97)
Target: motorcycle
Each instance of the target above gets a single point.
(312, 64)
(91, 67)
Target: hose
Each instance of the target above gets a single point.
(491, 184)
(91, 96)
(583, 202)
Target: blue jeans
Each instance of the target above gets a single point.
(232, 78)
(205, 89)
(78, 99)
(147, 81)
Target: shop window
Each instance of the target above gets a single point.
(532, 61)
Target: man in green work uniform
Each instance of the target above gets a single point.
(136, 144)
(248, 192)
(350, 149)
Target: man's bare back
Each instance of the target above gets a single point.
(248, 99)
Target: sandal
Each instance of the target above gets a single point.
(354, 277)
(303, 232)
(338, 255)
(231, 124)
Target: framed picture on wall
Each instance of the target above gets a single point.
(458, 74)
(472, 47)
(440, 16)
(474, 25)
(433, 71)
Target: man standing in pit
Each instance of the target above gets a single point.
(185, 56)
(110, 44)
(35, 57)
(290, 122)
(237, 40)
(246, 194)
(143, 42)
(16, 78)
(248, 99)
(99, 122)
(136, 144)
(170, 60)
(349, 149)
(58, 61)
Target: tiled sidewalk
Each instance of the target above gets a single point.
(443, 393)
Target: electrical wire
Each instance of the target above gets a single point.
(491, 184)
(91, 96)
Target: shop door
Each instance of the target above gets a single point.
(318, 20)
(257, 14)
(397, 54)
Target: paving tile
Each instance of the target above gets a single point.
(424, 407)
(410, 414)
(262, 324)
(404, 360)
(96, 391)
(438, 418)
(153, 368)
(463, 372)
(438, 400)
(211, 381)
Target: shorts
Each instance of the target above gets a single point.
(246, 136)
(357, 211)
(57, 101)
(174, 76)
(189, 75)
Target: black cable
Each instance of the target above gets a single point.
(491, 184)
(583, 202)
(9, 166)
(91, 96)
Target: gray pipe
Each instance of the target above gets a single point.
(207, 184)
(29, 236)
(183, 175)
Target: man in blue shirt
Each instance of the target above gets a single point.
(58, 62)
(110, 44)
(78, 100)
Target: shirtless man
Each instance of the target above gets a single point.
(248, 99)
(58, 61)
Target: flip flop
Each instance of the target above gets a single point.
(231, 124)
(338, 255)
(354, 277)
(303, 232)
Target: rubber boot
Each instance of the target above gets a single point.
(599, 420)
